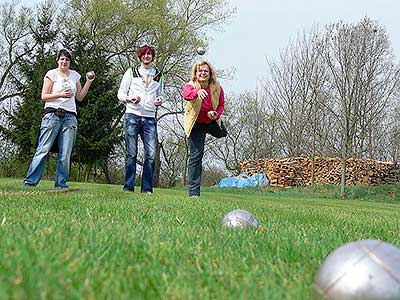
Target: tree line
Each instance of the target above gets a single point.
(332, 92)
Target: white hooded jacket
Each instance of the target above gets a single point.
(146, 83)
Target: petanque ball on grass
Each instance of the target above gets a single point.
(362, 270)
(240, 218)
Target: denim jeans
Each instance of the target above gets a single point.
(147, 129)
(197, 140)
(64, 130)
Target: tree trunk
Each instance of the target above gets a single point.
(157, 166)
(343, 178)
(87, 171)
(313, 171)
(106, 171)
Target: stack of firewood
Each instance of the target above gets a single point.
(299, 171)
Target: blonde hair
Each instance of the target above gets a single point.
(213, 76)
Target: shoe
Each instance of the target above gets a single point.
(27, 185)
(59, 190)
(194, 196)
(127, 190)
(148, 193)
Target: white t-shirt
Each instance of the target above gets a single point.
(59, 84)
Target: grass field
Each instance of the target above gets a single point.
(99, 243)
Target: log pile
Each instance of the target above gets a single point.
(298, 171)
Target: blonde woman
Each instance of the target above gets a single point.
(204, 106)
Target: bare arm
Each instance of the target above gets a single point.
(82, 91)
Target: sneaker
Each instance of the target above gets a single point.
(27, 185)
(148, 193)
(127, 190)
(194, 196)
(60, 190)
(61, 187)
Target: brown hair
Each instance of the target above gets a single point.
(64, 52)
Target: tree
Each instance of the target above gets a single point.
(24, 117)
(332, 92)
(389, 146)
(183, 28)
(98, 130)
(251, 132)
(363, 79)
(295, 89)
(116, 29)
(15, 44)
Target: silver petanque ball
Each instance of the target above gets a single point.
(200, 50)
(90, 74)
(240, 219)
(362, 270)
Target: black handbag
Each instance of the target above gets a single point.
(216, 131)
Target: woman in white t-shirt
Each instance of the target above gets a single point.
(61, 87)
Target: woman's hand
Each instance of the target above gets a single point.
(66, 93)
(212, 115)
(90, 76)
(202, 94)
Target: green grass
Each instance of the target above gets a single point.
(100, 243)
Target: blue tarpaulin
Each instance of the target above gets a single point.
(244, 180)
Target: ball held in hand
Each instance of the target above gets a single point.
(90, 74)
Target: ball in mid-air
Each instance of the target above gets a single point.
(365, 269)
(240, 218)
(200, 50)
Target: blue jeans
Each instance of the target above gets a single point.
(64, 130)
(197, 140)
(147, 129)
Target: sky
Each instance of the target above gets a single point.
(261, 29)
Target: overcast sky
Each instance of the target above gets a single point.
(263, 28)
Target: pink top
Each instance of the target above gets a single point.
(190, 93)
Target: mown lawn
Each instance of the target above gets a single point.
(99, 243)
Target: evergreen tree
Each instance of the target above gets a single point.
(99, 129)
(24, 118)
